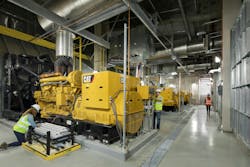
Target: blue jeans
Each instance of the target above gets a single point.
(157, 115)
(20, 139)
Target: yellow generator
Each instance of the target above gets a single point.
(58, 94)
(100, 108)
(169, 100)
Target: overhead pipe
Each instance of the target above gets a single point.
(184, 50)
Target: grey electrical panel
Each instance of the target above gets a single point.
(240, 78)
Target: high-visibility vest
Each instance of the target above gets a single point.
(158, 103)
(22, 125)
(208, 102)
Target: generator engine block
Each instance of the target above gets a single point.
(58, 94)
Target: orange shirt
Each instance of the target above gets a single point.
(208, 102)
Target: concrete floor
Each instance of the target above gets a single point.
(198, 144)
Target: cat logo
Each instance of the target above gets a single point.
(88, 78)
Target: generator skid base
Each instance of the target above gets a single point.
(38, 149)
(105, 134)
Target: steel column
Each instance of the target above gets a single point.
(124, 85)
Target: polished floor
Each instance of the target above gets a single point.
(199, 143)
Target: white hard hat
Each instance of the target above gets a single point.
(36, 106)
(158, 90)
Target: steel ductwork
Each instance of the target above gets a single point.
(183, 50)
(72, 9)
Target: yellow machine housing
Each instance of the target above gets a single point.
(102, 101)
(58, 94)
(168, 95)
(144, 92)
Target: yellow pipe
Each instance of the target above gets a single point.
(31, 39)
(118, 68)
(53, 79)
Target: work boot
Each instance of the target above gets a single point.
(4, 146)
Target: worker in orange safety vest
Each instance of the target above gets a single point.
(208, 103)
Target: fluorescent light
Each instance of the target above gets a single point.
(217, 59)
(214, 70)
(191, 70)
(173, 57)
(173, 73)
(200, 33)
(172, 86)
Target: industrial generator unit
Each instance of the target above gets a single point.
(58, 93)
(94, 101)
(100, 108)
(170, 100)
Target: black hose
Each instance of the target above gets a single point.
(118, 126)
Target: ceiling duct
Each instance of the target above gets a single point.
(72, 9)
(183, 50)
(196, 66)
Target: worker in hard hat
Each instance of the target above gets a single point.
(158, 103)
(22, 126)
(208, 103)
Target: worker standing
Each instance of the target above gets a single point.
(158, 103)
(208, 103)
(22, 126)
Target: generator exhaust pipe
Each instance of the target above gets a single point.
(64, 52)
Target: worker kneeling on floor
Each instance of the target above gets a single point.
(158, 103)
(22, 126)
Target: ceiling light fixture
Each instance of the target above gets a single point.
(173, 73)
(217, 59)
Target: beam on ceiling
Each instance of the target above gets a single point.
(41, 11)
(102, 16)
(137, 10)
(31, 39)
(185, 20)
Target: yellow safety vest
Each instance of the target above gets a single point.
(158, 103)
(22, 125)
